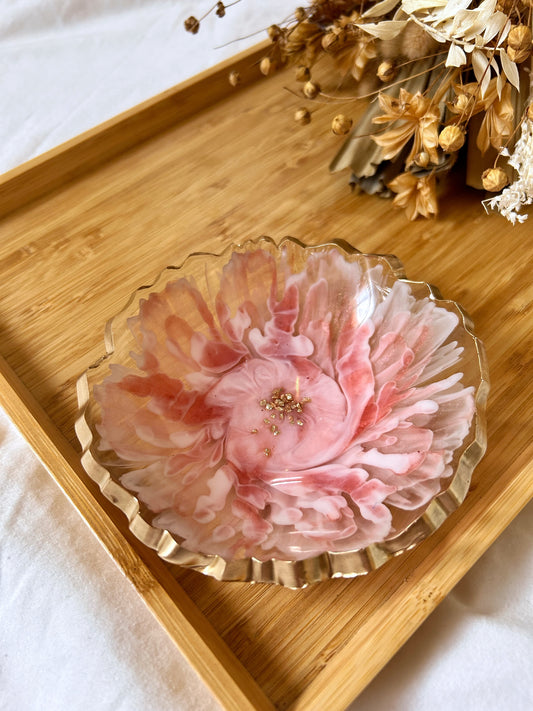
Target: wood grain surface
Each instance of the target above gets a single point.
(199, 168)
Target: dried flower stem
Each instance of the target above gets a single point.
(427, 56)
(212, 9)
(370, 95)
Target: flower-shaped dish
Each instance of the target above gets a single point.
(285, 413)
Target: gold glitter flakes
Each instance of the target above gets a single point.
(285, 406)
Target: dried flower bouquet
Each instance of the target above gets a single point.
(440, 73)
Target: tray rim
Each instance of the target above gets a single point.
(188, 627)
(42, 175)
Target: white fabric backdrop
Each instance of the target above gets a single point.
(65, 66)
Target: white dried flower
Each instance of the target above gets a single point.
(468, 31)
(520, 192)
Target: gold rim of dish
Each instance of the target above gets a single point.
(300, 573)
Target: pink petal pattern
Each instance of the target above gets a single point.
(294, 413)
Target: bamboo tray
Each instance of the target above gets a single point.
(196, 168)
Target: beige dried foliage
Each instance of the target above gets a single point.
(498, 123)
(302, 44)
(330, 40)
(468, 99)
(417, 119)
(352, 59)
(417, 195)
(424, 50)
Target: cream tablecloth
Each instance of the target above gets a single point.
(65, 66)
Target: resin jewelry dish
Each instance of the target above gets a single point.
(285, 413)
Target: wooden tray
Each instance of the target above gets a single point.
(196, 168)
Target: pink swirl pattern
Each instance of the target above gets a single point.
(291, 417)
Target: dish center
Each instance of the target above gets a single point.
(282, 409)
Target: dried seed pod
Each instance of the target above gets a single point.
(234, 78)
(329, 40)
(494, 179)
(274, 32)
(386, 70)
(451, 139)
(341, 125)
(221, 10)
(302, 37)
(464, 103)
(303, 73)
(192, 25)
(302, 116)
(422, 159)
(300, 14)
(265, 66)
(519, 37)
(529, 112)
(519, 43)
(518, 55)
(311, 89)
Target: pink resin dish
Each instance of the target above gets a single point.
(285, 413)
